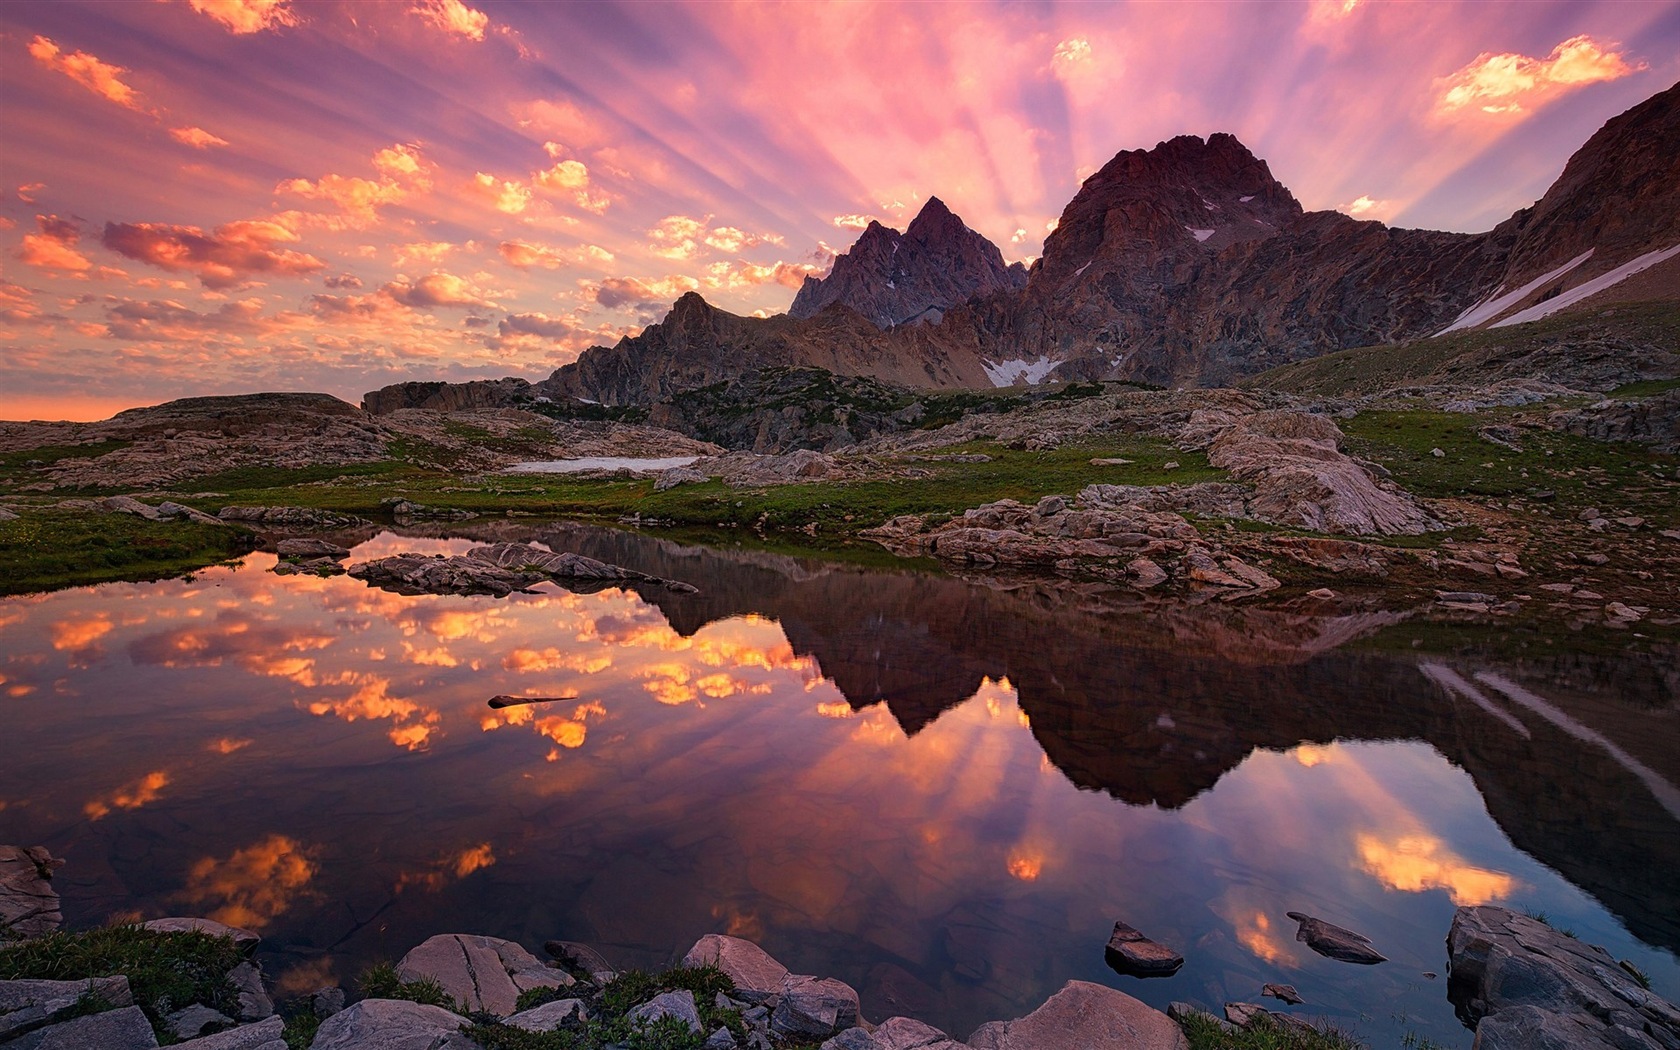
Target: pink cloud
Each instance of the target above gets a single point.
(1510, 83)
(525, 256)
(54, 247)
(453, 17)
(247, 16)
(621, 292)
(437, 289)
(197, 138)
(101, 78)
(229, 255)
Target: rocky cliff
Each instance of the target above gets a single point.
(896, 278)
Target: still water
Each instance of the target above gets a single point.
(941, 792)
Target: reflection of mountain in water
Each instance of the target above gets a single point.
(1154, 702)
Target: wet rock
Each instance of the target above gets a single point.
(291, 517)
(1130, 952)
(244, 940)
(311, 567)
(1334, 942)
(28, 1005)
(310, 547)
(264, 1035)
(1518, 983)
(190, 1022)
(572, 953)
(1323, 594)
(28, 903)
(480, 973)
(814, 1008)
(668, 1004)
(1084, 1016)
(1285, 992)
(123, 1029)
(549, 1016)
(757, 976)
(387, 1024)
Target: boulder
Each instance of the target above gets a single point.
(1519, 983)
(814, 1008)
(123, 1029)
(28, 903)
(671, 478)
(1084, 1016)
(668, 1004)
(28, 1005)
(171, 511)
(907, 1033)
(191, 1021)
(1334, 942)
(254, 1001)
(390, 1024)
(267, 1034)
(480, 973)
(244, 940)
(757, 976)
(1130, 952)
(327, 1001)
(310, 547)
(549, 1016)
(572, 953)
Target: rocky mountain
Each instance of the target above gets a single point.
(1185, 264)
(897, 278)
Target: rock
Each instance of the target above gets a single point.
(850, 1039)
(190, 1022)
(1084, 1016)
(310, 547)
(312, 567)
(1624, 613)
(549, 1016)
(814, 1008)
(1181, 1011)
(1130, 952)
(1334, 942)
(1145, 573)
(572, 953)
(1286, 992)
(1323, 594)
(387, 1024)
(8, 514)
(480, 973)
(757, 976)
(1109, 461)
(1654, 421)
(1244, 1014)
(327, 1001)
(407, 510)
(907, 1033)
(722, 1039)
(671, 478)
(28, 903)
(122, 1029)
(27, 1005)
(668, 1004)
(291, 517)
(170, 511)
(1462, 597)
(1518, 983)
(437, 574)
(1437, 453)
(254, 1002)
(267, 1034)
(244, 940)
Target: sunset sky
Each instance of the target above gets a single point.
(220, 196)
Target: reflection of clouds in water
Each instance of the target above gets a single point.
(261, 646)
(130, 796)
(372, 700)
(305, 977)
(73, 634)
(228, 745)
(449, 868)
(254, 885)
(1415, 863)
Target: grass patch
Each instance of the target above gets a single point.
(1206, 1033)
(46, 549)
(301, 1024)
(166, 971)
(380, 981)
(1646, 388)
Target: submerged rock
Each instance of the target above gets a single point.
(1518, 983)
(1285, 992)
(1334, 942)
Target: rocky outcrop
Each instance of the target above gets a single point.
(1521, 985)
(757, 976)
(1653, 421)
(121, 1029)
(28, 903)
(28, 1005)
(480, 973)
(497, 569)
(1084, 1016)
(448, 397)
(892, 278)
(291, 518)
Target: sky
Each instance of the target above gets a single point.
(224, 196)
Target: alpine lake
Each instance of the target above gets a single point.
(943, 792)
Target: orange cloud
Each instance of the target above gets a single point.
(749, 275)
(247, 16)
(229, 745)
(421, 251)
(1508, 84)
(678, 236)
(524, 256)
(1415, 863)
(197, 138)
(437, 289)
(101, 78)
(227, 256)
(254, 885)
(616, 292)
(453, 17)
(133, 796)
(509, 197)
(53, 248)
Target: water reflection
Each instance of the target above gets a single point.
(945, 794)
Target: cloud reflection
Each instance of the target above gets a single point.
(252, 886)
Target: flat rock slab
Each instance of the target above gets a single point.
(244, 940)
(28, 903)
(124, 1029)
(28, 1005)
(1285, 992)
(1084, 1016)
(267, 1034)
(1334, 942)
(680, 1005)
(480, 973)
(389, 1024)
(549, 1016)
(757, 976)
(1130, 952)
(1519, 983)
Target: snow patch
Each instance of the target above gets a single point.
(572, 466)
(1017, 371)
(1082, 269)
(1590, 288)
(1488, 309)
(1246, 199)
(1200, 235)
